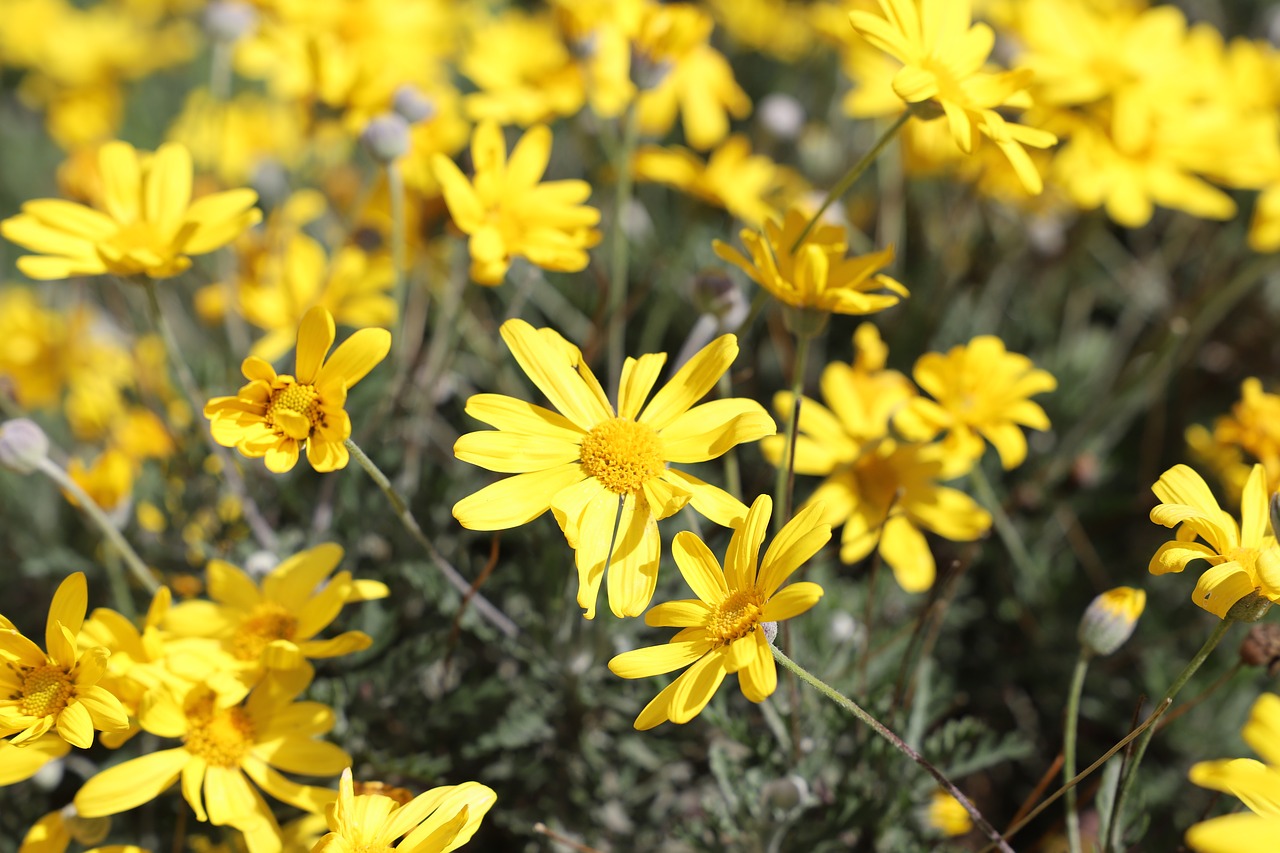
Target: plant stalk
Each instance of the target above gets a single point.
(785, 485)
(1069, 749)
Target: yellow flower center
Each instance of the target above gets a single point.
(45, 691)
(221, 737)
(736, 616)
(622, 455)
(268, 621)
(295, 409)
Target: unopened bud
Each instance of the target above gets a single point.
(412, 105)
(386, 137)
(1110, 618)
(1261, 647)
(23, 445)
(228, 21)
(770, 631)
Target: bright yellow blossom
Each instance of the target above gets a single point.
(523, 70)
(56, 689)
(593, 465)
(1243, 557)
(508, 211)
(275, 415)
(723, 630)
(818, 274)
(1253, 425)
(1255, 783)
(981, 391)
(437, 821)
(947, 816)
(148, 224)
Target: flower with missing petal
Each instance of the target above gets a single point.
(276, 415)
(56, 689)
(723, 630)
(600, 469)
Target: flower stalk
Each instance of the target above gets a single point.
(1069, 749)
(618, 254)
(785, 485)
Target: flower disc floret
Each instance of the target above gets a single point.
(267, 622)
(45, 691)
(224, 739)
(736, 616)
(623, 455)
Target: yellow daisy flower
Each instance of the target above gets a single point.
(724, 629)
(817, 275)
(148, 224)
(943, 55)
(509, 213)
(593, 465)
(224, 748)
(58, 689)
(275, 415)
(1243, 557)
(981, 391)
(437, 821)
(1255, 783)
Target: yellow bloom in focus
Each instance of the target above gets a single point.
(947, 816)
(509, 213)
(148, 224)
(276, 624)
(981, 391)
(58, 689)
(723, 630)
(593, 465)
(1255, 783)
(275, 415)
(437, 821)
(943, 55)
(108, 481)
(224, 748)
(1243, 558)
(817, 275)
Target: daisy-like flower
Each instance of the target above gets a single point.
(723, 630)
(817, 275)
(1255, 783)
(276, 625)
(943, 54)
(56, 689)
(592, 465)
(147, 225)
(1243, 557)
(276, 415)
(438, 821)
(981, 391)
(509, 213)
(224, 748)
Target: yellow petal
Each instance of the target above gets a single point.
(1222, 586)
(904, 548)
(685, 697)
(355, 357)
(554, 375)
(1174, 556)
(1236, 833)
(678, 614)
(710, 501)
(515, 453)
(512, 415)
(121, 181)
(227, 795)
(655, 660)
(759, 677)
(707, 431)
(792, 601)
(633, 568)
(67, 609)
(699, 567)
(130, 784)
(315, 336)
(638, 378)
(744, 545)
(515, 500)
(797, 542)
(167, 190)
(231, 586)
(691, 382)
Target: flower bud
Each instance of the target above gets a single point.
(1110, 618)
(23, 445)
(227, 21)
(1261, 647)
(412, 105)
(386, 137)
(770, 631)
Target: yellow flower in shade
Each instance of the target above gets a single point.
(108, 481)
(1110, 618)
(20, 763)
(438, 821)
(943, 55)
(276, 625)
(58, 689)
(1255, 783)
(224, 748)
(508, 211)
(1243, 557)
(276, 415)
(981, 391)
(723, 630)
(148, 224)
(592, 465)
(817, 275)
(947, 816)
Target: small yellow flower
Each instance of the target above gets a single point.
(723, 630)
(508, 211)
(981, 391)
(108, 481)
(437, 821)
(817, 275)
(276, 415)
(148, 224)
(1253, 425)
(1243, 557)
(1255, 783)
(595, 465)
(1110, 619)
(58, 689)
(947, 816)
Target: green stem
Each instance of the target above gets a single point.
(1140, 749)
(109, 530)
(452, 575)
(897, 743)
(1069, 749)
(785, 485)
(616, 309)
(851, 177)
